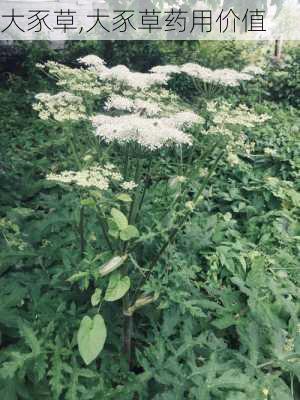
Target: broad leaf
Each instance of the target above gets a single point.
(91, 338)
(129, 233)
(118, 286)
(119, 218)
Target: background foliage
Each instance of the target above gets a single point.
(226, 325)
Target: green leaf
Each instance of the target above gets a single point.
(118, 286)
(224, 322)
(96, 297)
(113, 229)
(119, 218)
(130, 232)
(78, 276)
(91, 338)
(30, 338)
(88, 202)
(124, 197)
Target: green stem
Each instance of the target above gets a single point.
(146, 185)
(132, 213)
(127, 330)
(81, 231)
(104, 231)
(126, 163)
(128, 320)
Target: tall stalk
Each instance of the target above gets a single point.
(134, 208)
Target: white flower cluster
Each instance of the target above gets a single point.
(166, 69)
(94, 62)
(122, 75)
(139, 106)
(226, 116)
(98, 177)
(76, 80)
(143, 115)
(224, 77)
(151, 133)
(63, 106)
(270, 152)
(227, 123)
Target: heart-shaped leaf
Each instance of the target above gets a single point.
(119, 218)
(91, 337)
(118, 286)
(129, 233)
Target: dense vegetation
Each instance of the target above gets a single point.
(222, 320)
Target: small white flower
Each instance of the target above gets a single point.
(270, 152)
(134, 80)
(253, 70)
(128, 185)
(151, 133)
(116, 102)
(98, 177)
(166, 69)
(93, 62)
(121, 103)
(233, 159)
(224, 77)
(63, 106)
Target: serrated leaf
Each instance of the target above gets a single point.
(30, 338)
(224, 322)
(91, 338)
(119, 218)
(129, 233)
(118, 286)
(96, 297)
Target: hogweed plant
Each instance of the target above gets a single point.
(210, 82)
(156, 157)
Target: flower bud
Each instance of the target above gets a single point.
(141, 302)
(190, 205)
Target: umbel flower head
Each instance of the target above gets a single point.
(223, 77)
(98, 177)
(63, 106)
(122, 75)
(150, 133)
(139, 106)
(77, 80)
(92, 61)
(224, 115)
(227, 122)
